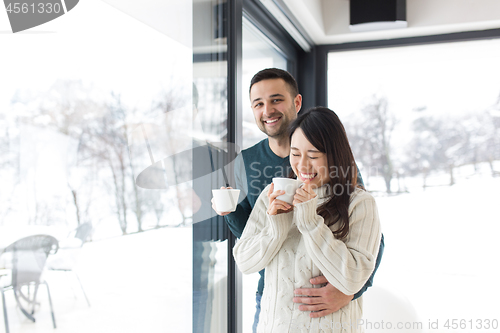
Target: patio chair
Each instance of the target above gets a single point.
(27, 258)
(69, 251)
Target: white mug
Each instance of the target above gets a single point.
(226, 200)
(288, 185)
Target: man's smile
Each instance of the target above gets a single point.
(272, 120)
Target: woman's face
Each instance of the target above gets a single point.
(309, 164)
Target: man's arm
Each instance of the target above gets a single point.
(359, 179)
(237, 220)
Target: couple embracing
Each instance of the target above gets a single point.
(319, 252)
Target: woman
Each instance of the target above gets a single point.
(332, 230)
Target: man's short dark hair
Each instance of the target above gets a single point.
(276, 73)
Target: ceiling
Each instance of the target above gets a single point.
(327, 21)
(317, 22)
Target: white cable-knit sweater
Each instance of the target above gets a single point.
(296, 246)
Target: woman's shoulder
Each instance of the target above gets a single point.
(358, 196)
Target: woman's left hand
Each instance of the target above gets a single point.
(303, 194)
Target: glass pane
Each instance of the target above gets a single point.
(424, 124)
(258, 53)
(209, 156)
(100, 123)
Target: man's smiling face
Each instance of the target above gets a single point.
(273, 106)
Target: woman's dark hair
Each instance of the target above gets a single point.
(323, 129)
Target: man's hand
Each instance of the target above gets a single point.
(322, 301)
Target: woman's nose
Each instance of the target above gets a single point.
(303, 164)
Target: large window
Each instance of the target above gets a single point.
(258, 53)
(99, 119)
(424, 125)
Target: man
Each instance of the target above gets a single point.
(275, 101)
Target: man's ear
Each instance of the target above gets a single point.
(297, 101)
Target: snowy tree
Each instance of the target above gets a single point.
(421, 150)
(67, 108)
(9, 166)
(370, 133)
(179, 167)
(57, 114)
(491, 142)
(441, 143)
(104, 140)
(100, 175)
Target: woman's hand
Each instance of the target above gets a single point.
(303, 194)
(277, 206)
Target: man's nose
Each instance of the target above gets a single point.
(268, 109)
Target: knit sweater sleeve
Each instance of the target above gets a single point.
(348, 264)
(262, 238)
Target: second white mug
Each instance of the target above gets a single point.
(288, 185)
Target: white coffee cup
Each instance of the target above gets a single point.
(226, 200)
(288, 185)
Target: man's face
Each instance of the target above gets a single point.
(274, 107)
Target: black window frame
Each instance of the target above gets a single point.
(256, 14)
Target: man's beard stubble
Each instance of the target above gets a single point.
(280, 132)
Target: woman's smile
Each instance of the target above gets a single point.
(308, 163)
(307, 176)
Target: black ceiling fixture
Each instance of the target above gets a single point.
(368, 15)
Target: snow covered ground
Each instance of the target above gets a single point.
(441, 254)
(442, 248)
(135, 283)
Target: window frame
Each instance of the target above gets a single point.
(257, 15)
(321, 60)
